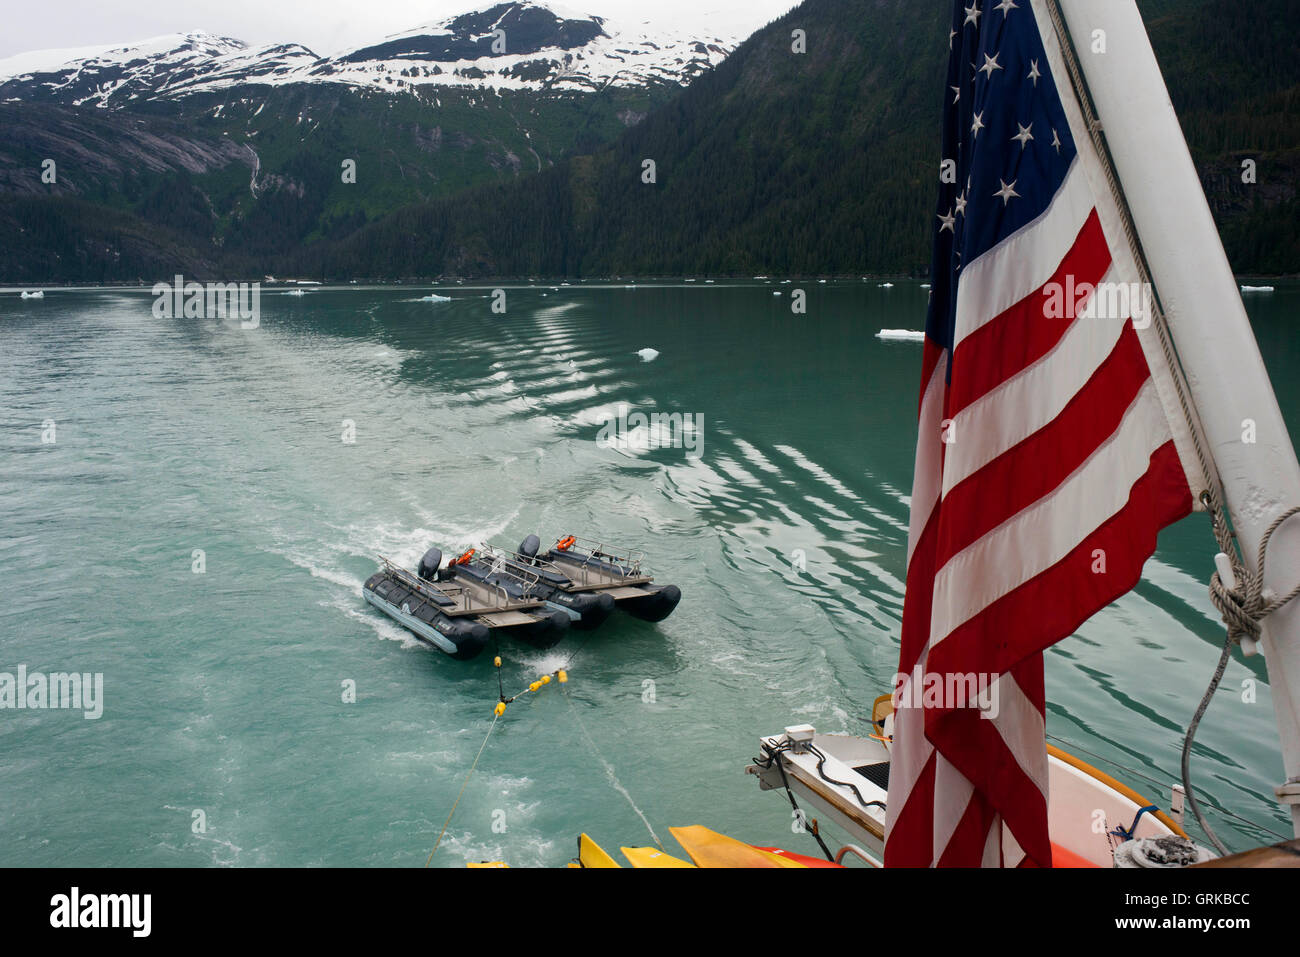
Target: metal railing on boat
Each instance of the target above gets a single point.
(509, 565)
(624, 562)
(501, 599)
(519, 565)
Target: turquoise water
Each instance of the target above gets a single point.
(224, 691)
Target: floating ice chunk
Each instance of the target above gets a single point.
(38, 294)
(908, 335)
(884, 285)
(434, 297)
(1256, 288)
(648, 355)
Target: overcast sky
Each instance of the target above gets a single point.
(326, 26)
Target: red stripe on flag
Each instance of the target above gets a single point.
(1054, 603)
(1033, 468)
(918, 596)
(996, 772)
(911, 837)
(1023, 334)
(1021, 624)
(971, 834)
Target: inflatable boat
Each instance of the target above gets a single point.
(458, 614)
(578, 570)
(521, 579)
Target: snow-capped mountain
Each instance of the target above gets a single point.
(514, 45)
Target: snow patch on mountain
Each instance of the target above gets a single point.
(513, 45)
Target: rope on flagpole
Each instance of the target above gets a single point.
(1241, 603)
(1159, 322)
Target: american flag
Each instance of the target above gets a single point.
(1047, 458)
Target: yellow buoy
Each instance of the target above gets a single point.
(500, 709)
(562, 675)
(546, 679)
(497, 661)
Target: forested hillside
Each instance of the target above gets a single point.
(824, 162)
(820, 162)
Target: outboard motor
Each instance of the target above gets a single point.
(429, 565)
(528, 548)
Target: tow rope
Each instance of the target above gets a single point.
(462, 789)
(561, 675)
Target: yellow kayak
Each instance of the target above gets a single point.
(591, 854)
(708, 848)
(652, 857)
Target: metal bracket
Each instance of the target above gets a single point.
(1288, 792)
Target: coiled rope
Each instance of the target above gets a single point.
(1242, 604)
(1243, 607)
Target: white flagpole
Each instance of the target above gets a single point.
(1208, 324)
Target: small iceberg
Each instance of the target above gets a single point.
(434, 297)
(38, 294)
(777, 293)
(296, 292)
(903, 335)
(925, 285)
(1256, 288)
(648, 355)
(884, 285)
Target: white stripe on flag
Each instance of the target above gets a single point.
(952, 794)
(1041, 535)
(984, 430)
(929, 449)
(1024, 261)
(908, 754)
(1023, 730)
